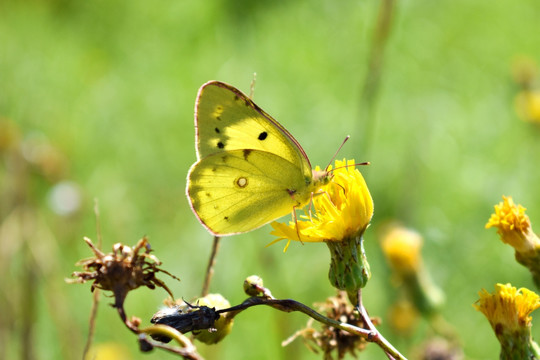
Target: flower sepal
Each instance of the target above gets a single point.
(349, 268)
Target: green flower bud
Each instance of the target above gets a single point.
(222, 326)
(349, 268)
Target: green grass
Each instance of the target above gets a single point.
(112, 85)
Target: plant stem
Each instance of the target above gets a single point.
(378, 338)
(289, 305)
(210, 267)
(373, 77)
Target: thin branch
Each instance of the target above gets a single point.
(289, 305)
(98, 223)
(186, 349)
(95, 298)
(92, 323)
(210, 267)
(186, 352)
(377, 338)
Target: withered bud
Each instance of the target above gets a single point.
(121, 271)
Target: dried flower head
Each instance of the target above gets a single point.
(334, 343)
(121, 271)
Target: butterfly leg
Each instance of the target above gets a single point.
(313, 194)
(296, 224)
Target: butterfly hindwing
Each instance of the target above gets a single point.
(241, 190)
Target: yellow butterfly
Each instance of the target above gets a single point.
(250, 170)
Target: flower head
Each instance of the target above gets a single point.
(402, 249)
(342, 212)
(343, 208)
(508, 308)
(403, 317)
(123, 270)
(508, 311)
(513, 225)
(527, 105)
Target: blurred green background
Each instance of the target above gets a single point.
(102, 95)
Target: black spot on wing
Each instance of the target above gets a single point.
(291, 192)
(217, 130)
(220, 145)
(263, 135)
(246, 153)
(226, 218)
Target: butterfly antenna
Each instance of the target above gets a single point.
(356, 164)
(252, 86)
(334, 157)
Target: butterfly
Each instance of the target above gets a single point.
(250, 170)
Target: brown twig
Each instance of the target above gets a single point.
(95, 297)
(210, 267)
(91, 323)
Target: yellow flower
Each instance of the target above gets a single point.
(513, 225)
(403, 317)
(343, 209)
(508, 309)
(342, 212)
(402, 249)
(527, 105)
(514, 228)
(109, 351)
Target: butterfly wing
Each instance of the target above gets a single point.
(240, 190)
(250, 169)
(226, 119)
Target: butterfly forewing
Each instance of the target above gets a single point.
(226, 120)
